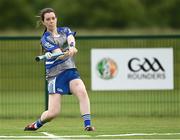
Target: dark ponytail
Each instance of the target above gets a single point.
(42, 49)
(41, 15)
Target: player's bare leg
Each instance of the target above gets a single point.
(54, 107)
(78, 89)
(48, 115)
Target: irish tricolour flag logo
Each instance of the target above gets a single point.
(107, 68)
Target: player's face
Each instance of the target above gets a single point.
(50, 21)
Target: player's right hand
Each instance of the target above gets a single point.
(72, 51)
(48, 55)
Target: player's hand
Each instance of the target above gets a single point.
(72, 51)
(48, 55)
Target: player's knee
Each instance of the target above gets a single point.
(83, 95)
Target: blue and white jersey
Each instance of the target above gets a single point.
(50, 43)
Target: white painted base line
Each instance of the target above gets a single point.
(139, 134)
(51, 136)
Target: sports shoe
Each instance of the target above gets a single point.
(89, 128)
(30, 127)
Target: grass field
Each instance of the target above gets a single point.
(115, 114)
(106, 128)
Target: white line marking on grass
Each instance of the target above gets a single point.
(51, 136)
(24, 137)
(70, 136)
(139, 134)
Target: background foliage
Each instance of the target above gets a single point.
(20, 14)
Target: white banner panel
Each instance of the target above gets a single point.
(132, 69)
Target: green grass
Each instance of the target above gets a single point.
(104, 126)
(112, 114)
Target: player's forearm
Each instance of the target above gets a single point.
(57, 51)
(71, 41)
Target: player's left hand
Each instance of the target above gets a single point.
(48, 55)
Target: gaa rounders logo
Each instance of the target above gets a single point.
(107, 68)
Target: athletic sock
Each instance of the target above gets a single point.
(87, 120)
(38, 124)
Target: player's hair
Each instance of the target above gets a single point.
(41, 15)
(44, 11)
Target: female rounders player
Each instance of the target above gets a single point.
(61, 73)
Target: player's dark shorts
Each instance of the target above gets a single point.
(60, 84)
